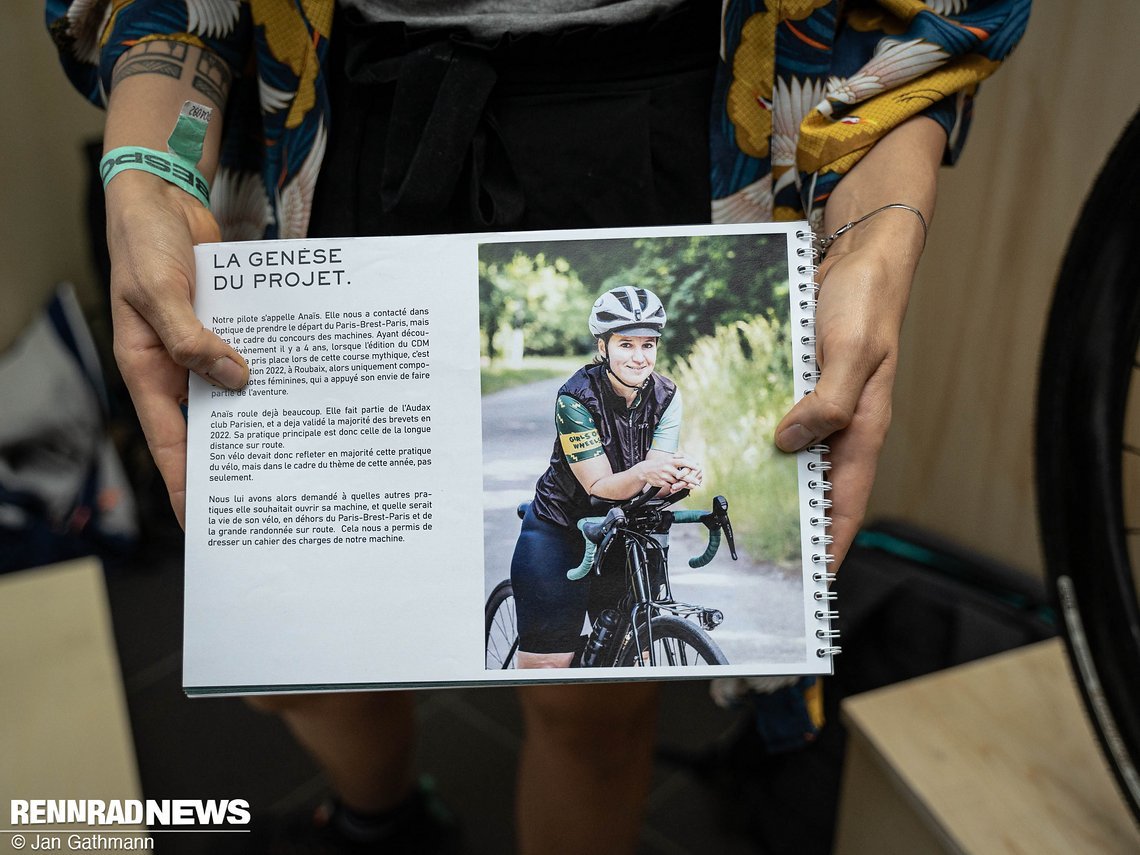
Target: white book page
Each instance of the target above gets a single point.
(329, 525)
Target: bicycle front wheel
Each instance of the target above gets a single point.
(1088, 457)
(502, 633)
(676, 642)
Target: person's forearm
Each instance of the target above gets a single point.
(619, 485)
(152, 228)
(865, 282)
(902, 167)
(150, 83)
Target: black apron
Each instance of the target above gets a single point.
(432, 131)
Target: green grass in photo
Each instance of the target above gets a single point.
(497, 376)
(737, 385)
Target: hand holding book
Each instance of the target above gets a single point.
(152, 227)
(865, 283)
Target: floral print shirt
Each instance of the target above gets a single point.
(804, 89)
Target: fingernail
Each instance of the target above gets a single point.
(226, 372)
(794, 437)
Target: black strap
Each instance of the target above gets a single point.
(439, 131)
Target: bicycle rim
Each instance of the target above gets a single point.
(1088, 457)
(501, 639)
(676, 643)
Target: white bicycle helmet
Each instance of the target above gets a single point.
(628, 310)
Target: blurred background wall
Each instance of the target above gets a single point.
(959, 457)
(43, 238)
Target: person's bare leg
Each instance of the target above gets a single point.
(584, 768)
(544, 660)
(363, 741)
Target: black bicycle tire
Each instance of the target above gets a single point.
(1089, 355)
(501, 594)
(673, 627)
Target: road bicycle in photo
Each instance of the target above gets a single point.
(643, 625)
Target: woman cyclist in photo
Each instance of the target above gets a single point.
(619, 425)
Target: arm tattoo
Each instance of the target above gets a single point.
(146, 65)
(212, 78)
(168, 58)
(158, 57)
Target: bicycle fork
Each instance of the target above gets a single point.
(638, 574)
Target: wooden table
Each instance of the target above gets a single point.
(995, 756)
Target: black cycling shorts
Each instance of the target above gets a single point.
(552, 610)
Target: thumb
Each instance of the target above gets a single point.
(207, 355)
(191, 345)
(830, 407)
(152, 282)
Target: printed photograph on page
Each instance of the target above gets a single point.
(651, 369)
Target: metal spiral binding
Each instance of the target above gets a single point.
(807, 290)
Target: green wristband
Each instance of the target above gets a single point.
(178, 165)
(178, 173)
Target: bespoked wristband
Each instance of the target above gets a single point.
(178, 164)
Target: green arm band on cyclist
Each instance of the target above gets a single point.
(577, 432)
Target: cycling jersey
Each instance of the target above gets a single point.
(592, 419)
(581, 441)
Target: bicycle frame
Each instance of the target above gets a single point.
(639, 587)
(641, 603)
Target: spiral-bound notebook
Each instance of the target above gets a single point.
(355, 515)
